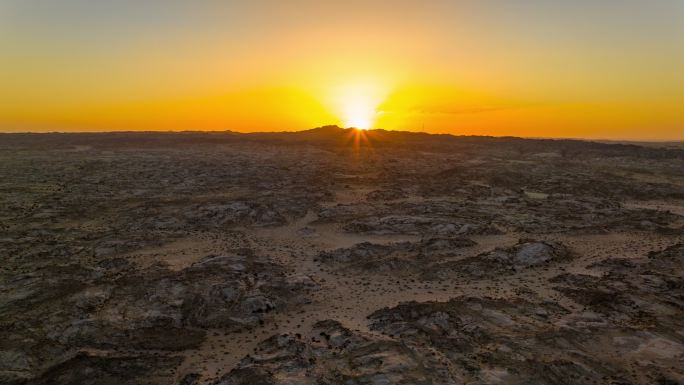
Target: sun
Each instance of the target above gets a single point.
(359, 114)
(357, 104)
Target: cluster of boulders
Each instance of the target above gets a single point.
(234, 213)
(490, 214)
(526, 254)
(580, 177)
(517, 341)
(393, 256)
(51, 315)
(419, 225)
(333, 354)
(471, 340)
(640, 294)
(112, 369)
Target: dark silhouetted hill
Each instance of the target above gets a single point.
(334, 138)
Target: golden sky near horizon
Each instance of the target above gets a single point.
(596, 69)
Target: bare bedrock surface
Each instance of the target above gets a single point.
(304, 259)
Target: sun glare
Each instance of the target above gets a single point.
(359, 115)
(357, 104)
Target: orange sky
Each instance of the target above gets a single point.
(525, 68)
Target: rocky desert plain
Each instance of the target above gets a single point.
(339, 257)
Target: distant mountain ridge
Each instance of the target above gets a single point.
(336, 138)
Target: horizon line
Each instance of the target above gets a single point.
(599, 139)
